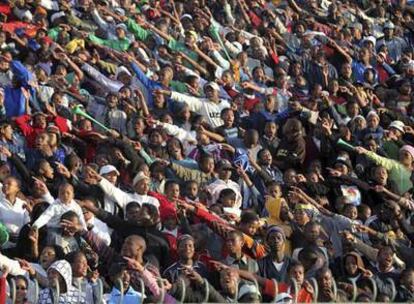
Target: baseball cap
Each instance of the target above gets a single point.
(212, 85)
(139, 177)
(108, 169)
(397, 124)
(389, 25)
(224, 164)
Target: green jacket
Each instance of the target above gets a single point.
(398, 173)
(139, 32)
(116, 44)
(187, 174)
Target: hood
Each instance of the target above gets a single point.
(358, 258)
(64, 269)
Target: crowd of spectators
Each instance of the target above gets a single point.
(206, 151)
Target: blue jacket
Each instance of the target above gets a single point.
(130, 297)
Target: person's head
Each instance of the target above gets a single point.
(264, 157)
(224, 169)
(324, 278)
(133, 247)
(407, 279)
(185, 247)
(118, 272)
(48, 255)
(385, 258)
(211, 90)
(251, 138)
(111, 100)
(249, 222)
(406, 155)
(346, 70)
(350, 211)
(110, 173)
(234, 243)
(191, 189)
(172, 190)
(312, 232)
(79, 263)
(141, 183)
(275, 239)
(273, 189)
(270, 129)
(227, 198)
(72, 217)
(175, 148)
(301, 216)
(380, 175)
(6, 131)
(292, 129)
(133, 210)
(60, 273)
(227, 115)
(21, 289)
(207, 163)
(297, 271)
(157, 170)
(229, 281)
(66, 193)
(11, 186)
(45, 170)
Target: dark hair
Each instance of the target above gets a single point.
(131, 205)
(171, 182)
(294, 264)
(71, 257)
(69, 215)
(157, 166)
(248, 216)
(227, 193)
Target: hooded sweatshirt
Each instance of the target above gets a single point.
(71, 296)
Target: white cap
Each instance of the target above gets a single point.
(212, 85)
(108, 169)
(139, 177)
(283, 297)
(397, 124)
(246, 289)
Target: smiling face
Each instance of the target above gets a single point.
(186, 249)
(80, 266)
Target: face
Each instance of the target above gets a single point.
(341, 168)
(351, 266)
(192, 190)
(210, 93)
(112, 177)
(47, 257)
(225, 174)
(40, 121)
(4, 172)
(229, 281)
(46, 170)
(125, 279)
(133, 214)
(249, 228)
(42, 140)
(351, 212)
(69, 232)
(408, 281)
(385, 258)
(301, 217)
(405, 158)
(111, 101)
(234, 244)
(228, 118)
(381, 175)
(132, 248)
(21, 290)
(186, 249)
(7, 132)
(174, 148)
(142, 187)
(66, 194)
(266, 158)
(270, 130)
(312, 233)
(275, 191)
(173, 192)
(80, 266)
(207, 165)
(325, 280)
(276, 242)
(10, 187)
(297, 273)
